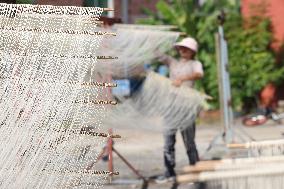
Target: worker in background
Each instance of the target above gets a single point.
(183, 72)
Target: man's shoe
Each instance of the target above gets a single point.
(164, 179)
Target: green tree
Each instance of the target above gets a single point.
(251, 62)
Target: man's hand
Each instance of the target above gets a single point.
(177, 82)
(192, 77)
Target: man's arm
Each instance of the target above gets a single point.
(197, 72)
(194, 76)
(165, 59)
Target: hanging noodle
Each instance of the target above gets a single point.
(42, 71)
(146, 27)
(178, 107)
(136, 47)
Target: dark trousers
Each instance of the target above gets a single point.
(188, 136)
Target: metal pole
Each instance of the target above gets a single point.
(124, 8)
(128, 164)
(225, 89)
(110, 4)
(220, 86)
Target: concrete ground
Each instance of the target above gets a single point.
(143, 149)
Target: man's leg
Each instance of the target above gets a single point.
(188, 136)
(169, 154)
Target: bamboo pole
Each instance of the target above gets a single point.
(237, 146)
(105, 135)
(256, 143)
(97, 22)
(108, 9)
(229, 174)
(188, 178)
(84, 84)
(39, 6)
(58, 31)
(226, 164)
(101, 57)
(107, 57)
(201, 167)
(134, 26)
(86, 18)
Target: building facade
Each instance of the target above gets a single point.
(131, 10)
(274, 10)
(128, 10)
(61, 2)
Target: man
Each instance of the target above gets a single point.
(183, 72)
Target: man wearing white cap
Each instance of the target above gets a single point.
(182, 72)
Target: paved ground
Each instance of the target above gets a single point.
(143, 148)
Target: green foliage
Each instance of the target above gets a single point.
(251, 62)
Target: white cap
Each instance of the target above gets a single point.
(188, 43)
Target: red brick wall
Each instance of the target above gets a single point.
(117, 8)
(61, 2)
(275, 9)
(136, 7)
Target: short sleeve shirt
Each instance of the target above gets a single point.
(185, 68)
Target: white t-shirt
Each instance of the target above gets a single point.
(182, 68)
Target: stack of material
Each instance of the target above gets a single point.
(263, 170)
(245, 173)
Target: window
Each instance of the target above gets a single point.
(96, 3)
